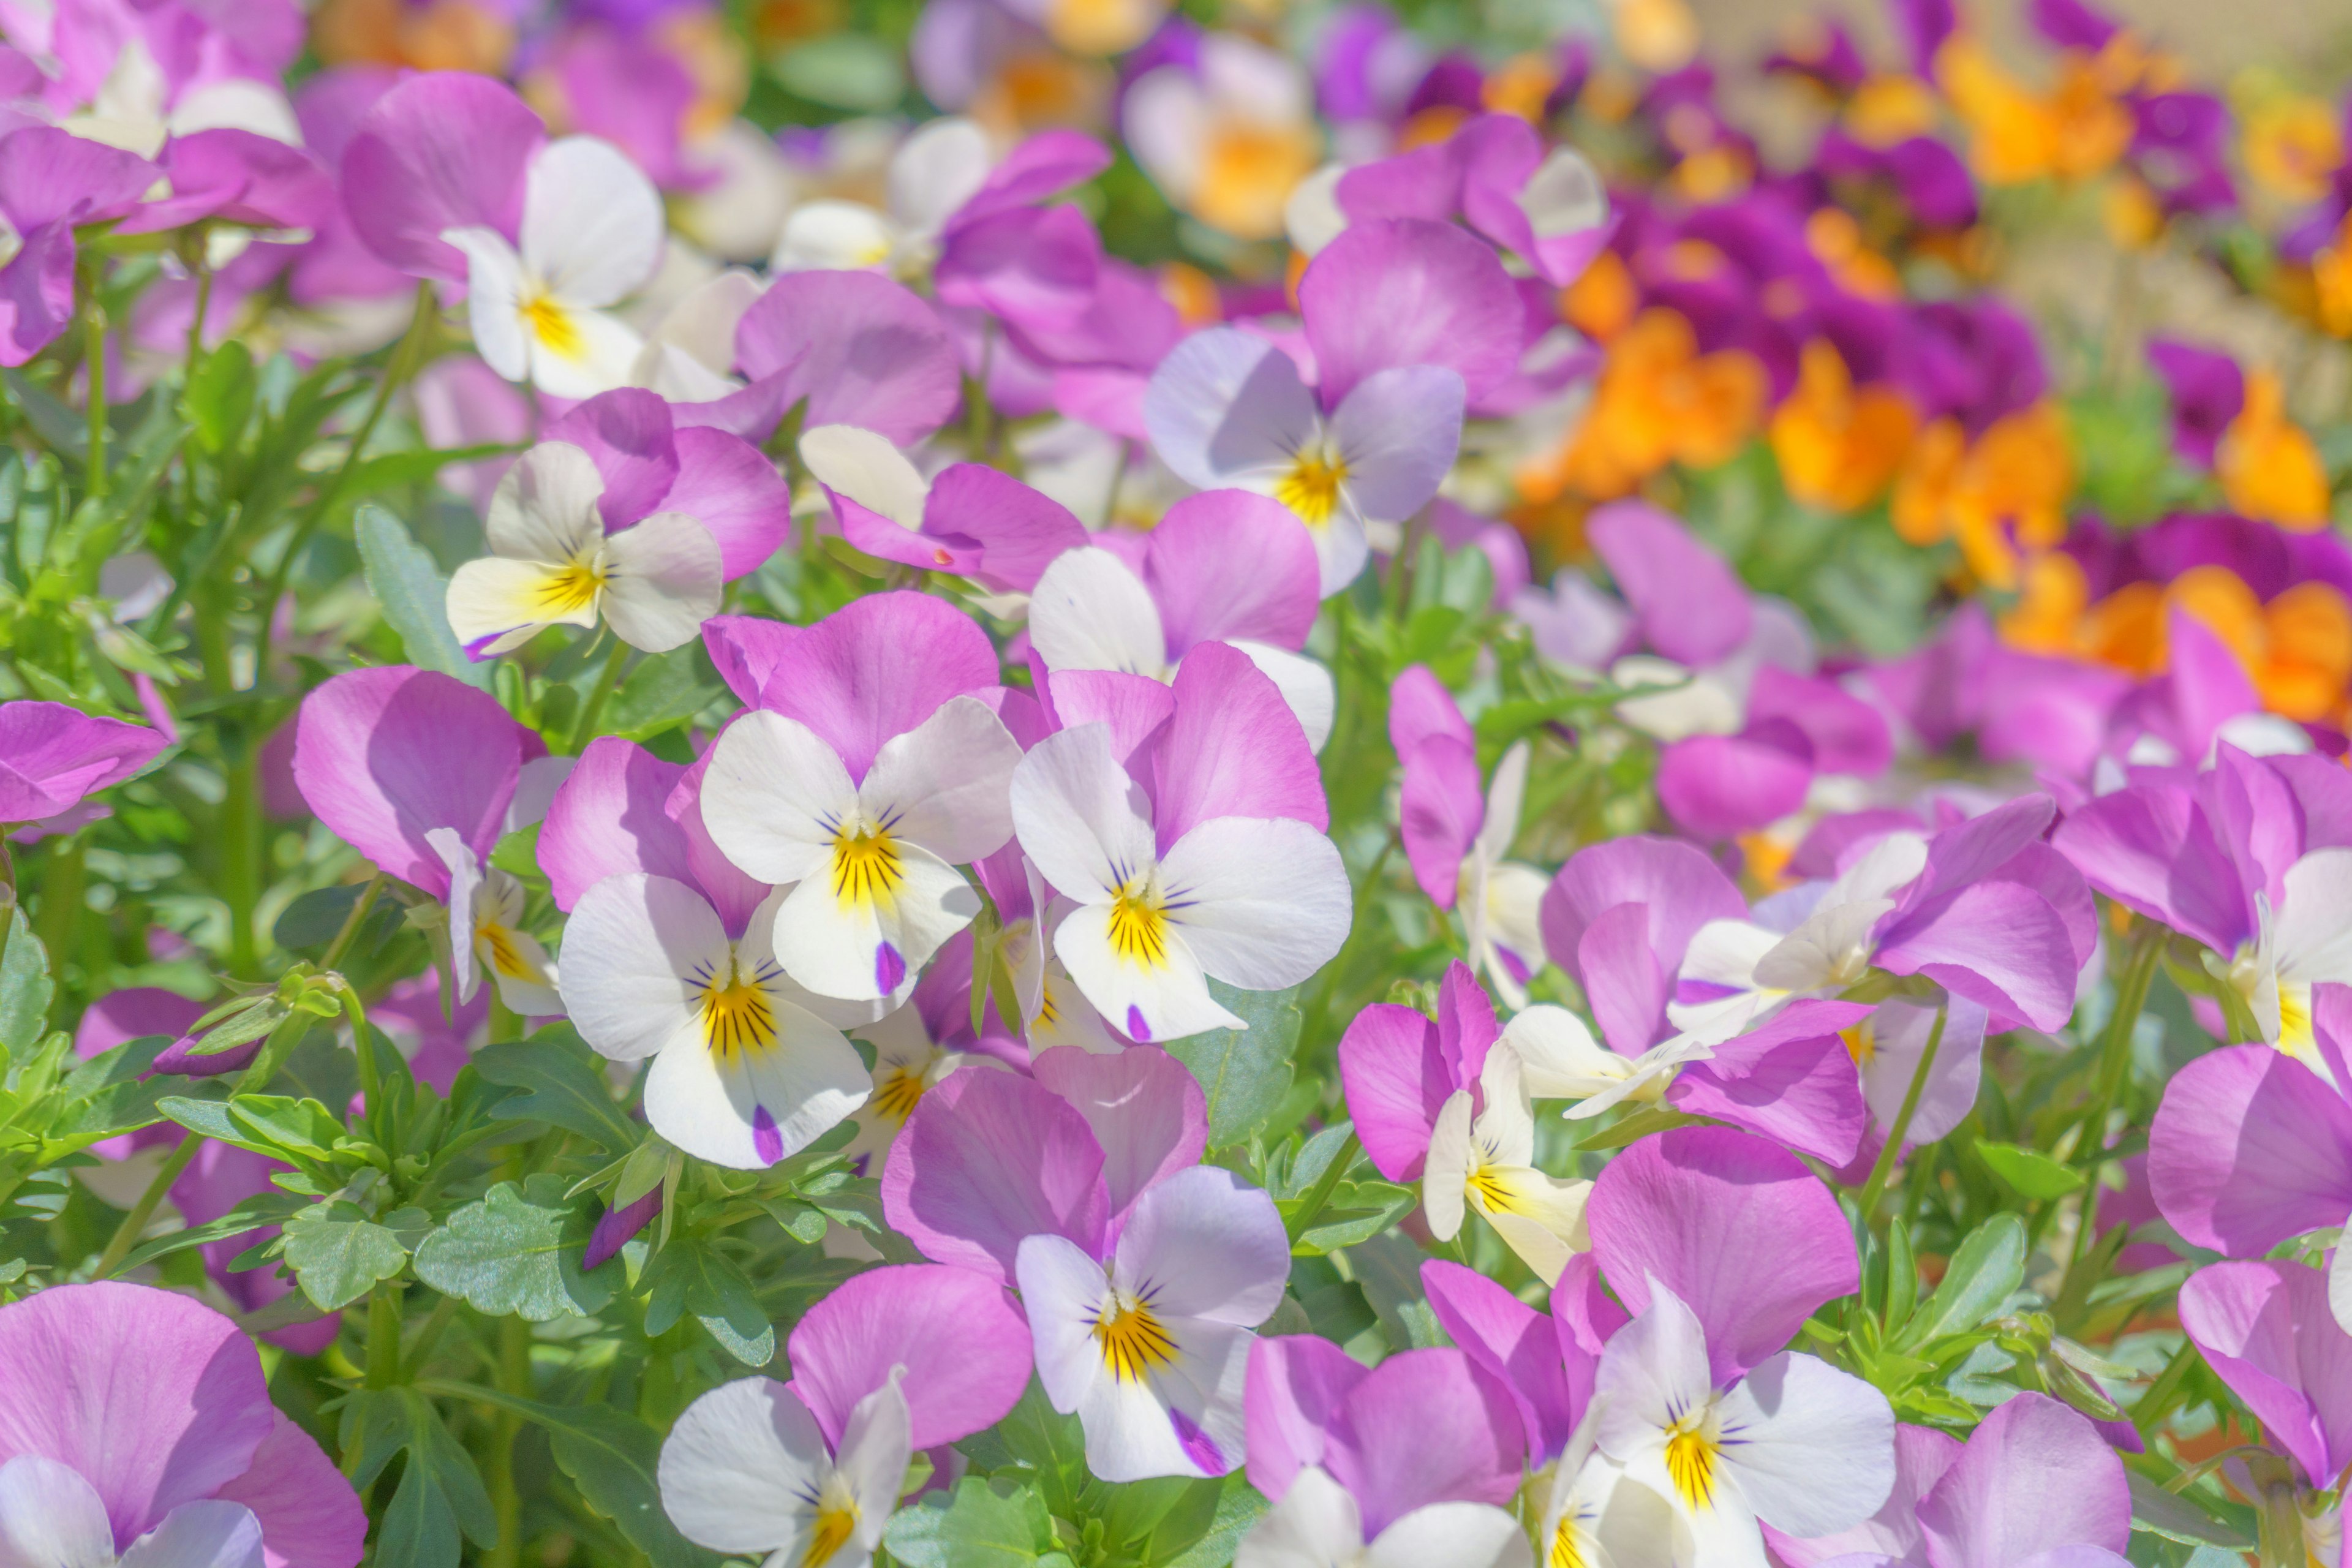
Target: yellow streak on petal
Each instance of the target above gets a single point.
(1138, 927)
(1132, 1341)
(1311, 488)
(551, 326)
(1690, 1462)
(736, 1015)
(866, 870)
(833, 1528)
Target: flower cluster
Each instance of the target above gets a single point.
(1070, 783)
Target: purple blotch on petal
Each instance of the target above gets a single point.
(1137, 1029)
(1199, 1446)
(766, 1142)
(889, 967)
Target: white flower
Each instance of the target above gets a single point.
(51, 1516)
(934, 171)
(1487, 1162)
(746, 1470)
(1561, 1060)
(552, 563)
(1318, 1525)
(591, 234)
(1502, 901)
(485, 932)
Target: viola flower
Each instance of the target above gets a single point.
(929, 1037)
(1482, 1157)
(2270, 1331)
(1594, 1512)
(859, 348)
(1319, 1523)
(1224, 566)
(1399, 1069)
(591, 235)
(1150, 1346)
(972, 521)
(1226, 136)
(423, 774)
(52, 182)
(866, 823)
(1733, 1244)
(1455, 841)
(57, 756)
(552, 563)
(1549, 208)
(1369, 444)
(186, 1462)
(670, 955)
(652, 461)
(746, 1469)
(1222, 870)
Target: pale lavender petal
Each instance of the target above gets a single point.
(1233, 749)
(1145, 1108)
(961, 1342)
(385, 757)
(2266, 1328)
(1735, 1226)
(443, 150)
(1407, 291)
(1231, 565)
(2250, 1147)
(1297, 1387)
(1922, 1455)
(2034, 1476)
(155, 1398)
(988, 1158)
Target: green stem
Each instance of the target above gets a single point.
(506, 1500)
(591, 711)
(63, 900)
(1876, 1187)
(1321, 1194)
(240, 851)
(352, 921)
(363, 1043)
(126, 1235)
(383, 1337)
(94, 366)
(2115, 1049)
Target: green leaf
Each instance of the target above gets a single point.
(663, 691)
(391, 470)
(1357, 1212)
(24, 986)
(413, 595)
(2029, 1170)
(1989, 1265)
(691, 1276)
(1154, 1519)
(62, 427)
(2175, 1518)
(1049, 1445)
(279, 1124)
(1243, 1072)
(339, 1254)
(262, 1209)
(1239, 1505)
(990, 1522)
(518, 1251)
(613, 1458)
(562, 1085)
(218, 398)
(440, 1492)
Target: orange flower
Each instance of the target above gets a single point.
(2052, 596)
(1658, 401)
(2331, 277)
(2013, 481)
(2293, 146)
(447, 34)
(1520, 86)
(1837, 447)
(1886, 109)
(2268, 467)
(2016, 135)
(1600, 301)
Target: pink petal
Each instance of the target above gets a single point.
(2034, 1476)
(1440, 808)
(1293, 1397)
(1515, 1345)
(2266, 1328)
(1233, 749)
(877, 667)
(1396, 1081)
(987, 1158)
(1230, 564)
(2248, 1148)
(1145, 1108)
(962, 1342)
(1719, 786)
(627, 434)
(606, 820)
(1396, 292)
(861, 350)
(1792, 1080)
(746, 649)
(1679, 889)
(309, 1515)
(1427, 1426)
(443, 150)
(1691, 604)
(52, 756)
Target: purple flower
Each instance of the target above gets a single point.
(1549, 208)
(188, 1456)
(972, 521)
(57, 756)
(2266, 1328)
(2207, 390)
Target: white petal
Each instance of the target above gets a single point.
(1263, 902)
(2315, 919)
(1885, 868)
(864, 465)
(1505, 1127)
(1315, 1525)
(1088, 611)
(833, 237)
(51, 1517)
(1564, 196)
(1305, 686)
(1446, 1174)
(1453, 1535)
(774, 795)
(1341, 547)
(592, 222)
(1081, 819)
(1147, 1002)
(1226, 405)
(212, 1533)
(1541, 1216)
(1312, 215)
(734, 1466)
(465, 882)
(1212, 1248)
(1132, 1432)
(842, 936)
(750, 1106)
(1654, 1370)
(632, 952)
(947, 784)
(544, 508)
(235, 103)
(698, 335)
(665, 581)
(1061, 1293)
(1812, 1447)
(1558, 1057)
(577, 352)
(936, 171)
(1686, 705)
(1506, 792)
(495, 605)
(494, 288)
(872, 1459)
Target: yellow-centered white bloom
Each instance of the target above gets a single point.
(1484, 1159)
(747, 1470)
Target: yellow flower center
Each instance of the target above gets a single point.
(1861, 1043)
(1131, 1339)
(894, 1097)
(835, 1525)
(571, 587)
(866, 867)
(1567, 1547)
(505, 957)
(1311, 488)
(553, 327)
(1691, 1453)
(1138, 926)
(1489, 1187)
(736, 1015)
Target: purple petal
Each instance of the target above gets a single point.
(1719, 786)
(236, 176)
(1627, 987)
(1847, 734)
(1233, 749)
(2148, 847)
(1293, 1397)
(51, 756)
(1998, 943)
(47, 176)
(1737, 1228)
(963, 1345)
(37, 291)
(1145, 1108)
(1042, 165)
(2208, 389)
(1029, 266)
(1792, 1080)
(2034, 1476)
(1400, 292)
(1020, 530)
(861, 350)
(1517, 1345)
(1224, 565)
(1396, 1081)
(156, 1399)
(2248, 1148)
(1427, 1426)
(309, 1515)
(1440, 807)
(133, 1013)
(607, 819)
(1677, 885)
(1690, 604)
(1420, 708)
(614, 1226)
(443, 150)
(988, 1158)
(2266, 1328)
(746, 650)
(877, 667)
(385, 757)
(627, 434)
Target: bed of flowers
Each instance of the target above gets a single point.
(1042, 782)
